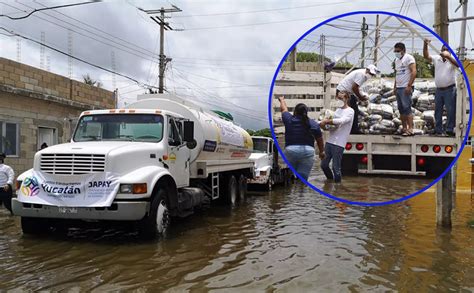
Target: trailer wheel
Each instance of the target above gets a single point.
(157, 221)
(231, 190)
(34, 226)
(242, 187)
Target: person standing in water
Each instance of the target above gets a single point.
(338, 136)
(300, 134)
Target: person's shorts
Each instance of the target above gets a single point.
(403, 101)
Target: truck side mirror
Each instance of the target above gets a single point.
(188, 134)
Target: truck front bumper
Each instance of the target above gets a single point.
(119, 211)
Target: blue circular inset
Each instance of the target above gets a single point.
(466, 80)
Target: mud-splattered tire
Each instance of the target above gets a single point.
(230, 194)
(242, 187)
(158, 219)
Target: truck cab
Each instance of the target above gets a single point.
(269, 167)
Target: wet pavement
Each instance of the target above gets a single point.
(289, 239)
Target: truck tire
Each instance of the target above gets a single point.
(34, 226)
(157, 221)
(229, 197)
(242, 187)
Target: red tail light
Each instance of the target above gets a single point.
(348, 146)
(364, 160)
(448, 149)
(420, 161)
(436, 148)
(360, 146)
(425, 148)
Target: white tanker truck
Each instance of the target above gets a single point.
(160, 157)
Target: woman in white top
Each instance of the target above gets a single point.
(335, 144)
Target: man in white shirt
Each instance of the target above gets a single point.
(6, 183)
(336, 142)
(405, 74)
(445, 80)
(351, 84)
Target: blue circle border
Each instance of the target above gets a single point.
(358, 202)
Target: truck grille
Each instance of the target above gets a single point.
(72, 164)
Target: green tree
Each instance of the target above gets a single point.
(309, 57)
(424, 69)
(88, 80)
(261, 132)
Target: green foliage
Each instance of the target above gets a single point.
(88, 80)
(424, 69)
(262, 132)
(344, 64)
(309, 57)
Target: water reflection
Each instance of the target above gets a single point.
(289, 239)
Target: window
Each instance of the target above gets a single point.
(319, 97)
(9, 138)
(318, 109)
(174, 135)
(127, 127)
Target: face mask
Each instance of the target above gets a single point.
(339, 103)
(398, 55)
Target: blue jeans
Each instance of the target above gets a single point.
(334, 153)
(446, 98)
(301, 158)
(403, 101)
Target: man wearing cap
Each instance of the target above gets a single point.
(445, 80)
(351, 84)
(6, 183)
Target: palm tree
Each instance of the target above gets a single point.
(88, 80)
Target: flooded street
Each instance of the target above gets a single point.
(289, 239)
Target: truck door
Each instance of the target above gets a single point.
(178, 152)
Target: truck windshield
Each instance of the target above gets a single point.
(127, 127)
(260, 145)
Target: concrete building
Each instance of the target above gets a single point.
(39, 107)
(302, 87)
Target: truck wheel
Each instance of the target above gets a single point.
(34, 225)
(242, 187)
(230, 195)
(158, 219)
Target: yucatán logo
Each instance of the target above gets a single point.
(68, 189)
(30, 186)
(99, 184)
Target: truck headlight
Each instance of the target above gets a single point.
(138, 188)
(263, 173)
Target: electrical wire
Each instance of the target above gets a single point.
(48, 8)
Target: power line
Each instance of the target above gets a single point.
(74, 57)
(48, 8)
(264, 10)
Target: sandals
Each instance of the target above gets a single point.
(408, 133)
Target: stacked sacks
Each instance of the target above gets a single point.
(381, 116)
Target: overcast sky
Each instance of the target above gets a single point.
(224, 54)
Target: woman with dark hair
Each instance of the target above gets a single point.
(300, 134)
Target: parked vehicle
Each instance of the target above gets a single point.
(269, 167)
(160, 157)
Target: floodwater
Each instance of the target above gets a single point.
(290, 239)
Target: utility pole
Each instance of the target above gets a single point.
(377, 37)
(444, 187)
(364, 29)
(164, 25)
(441, 19)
